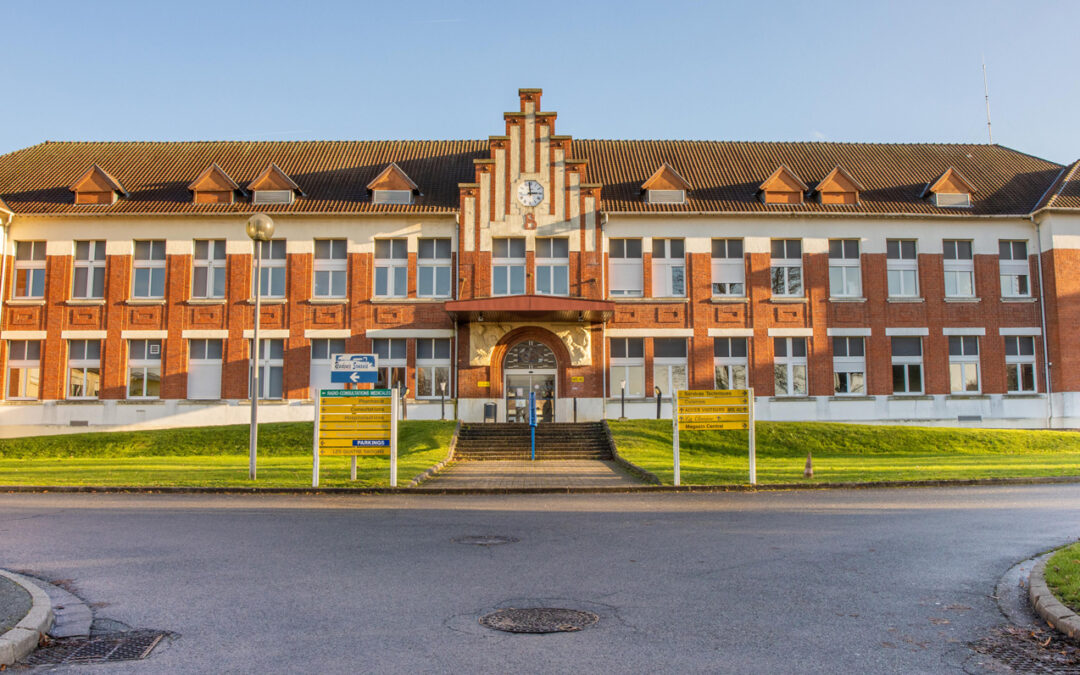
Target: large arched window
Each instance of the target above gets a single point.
(529, 355)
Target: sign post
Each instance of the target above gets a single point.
(532, 423)
(355, 422)
(697, 410)
(675, 435)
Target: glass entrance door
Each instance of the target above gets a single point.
(518, 386)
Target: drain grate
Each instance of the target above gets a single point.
(132, 645)
(1027, 651)
(485, 540)
(539, 620)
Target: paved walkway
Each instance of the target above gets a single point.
(528, 474)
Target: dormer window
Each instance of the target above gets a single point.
(782, 187)
(392, 186)
(665, 186)
(273, 186)
(96, 186)
(213, 186)
(838, 188)
(951, 190)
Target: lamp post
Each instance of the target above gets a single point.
(260, 227)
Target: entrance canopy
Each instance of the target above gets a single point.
(531, 308)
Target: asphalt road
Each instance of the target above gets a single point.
(834, 581)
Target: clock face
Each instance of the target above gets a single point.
(530, 193)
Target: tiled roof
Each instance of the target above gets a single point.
(724, 176)
(1065, 192)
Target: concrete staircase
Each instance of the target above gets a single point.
(586, 440)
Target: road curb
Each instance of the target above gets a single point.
(642, 474)
(735, 487)
(428, 473)
(24, 637)
(1048, 606)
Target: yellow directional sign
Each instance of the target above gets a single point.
(735, 409)
(710, 393)
(713, 418)
(355, 422)
(712, 426)
(714, 410)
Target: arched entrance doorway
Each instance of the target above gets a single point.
(530, 366)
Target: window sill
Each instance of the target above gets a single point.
(654, 301)
(911, 397)
(328, 301)
(413, 301)
(264, 401)
(1024, 394)
(905, 300)
(853, 397)
(1004, 299)
(145, 301)
(963, 300)
(267, 301)
(26, 301)
(729, 299)
(787, 301)
(967, 397)
(21, 401)
(78, 401)
(141, 401)
(206, 301)
(841, 298)
(85, 301)
(790, 399)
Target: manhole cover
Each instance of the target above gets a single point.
(136, 644)
(485, 540)
(539, 620)
(1027, 651)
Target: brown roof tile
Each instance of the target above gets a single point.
(1065, 192)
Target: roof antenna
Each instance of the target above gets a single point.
(986, 91)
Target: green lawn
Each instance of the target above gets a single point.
(848, 452)
(1063, 576)
(209, 457)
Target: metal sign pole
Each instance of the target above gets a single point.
(394, 402)
(315, 443)
(675, 432)
(753, 436)
(352, 468)
(532, 423)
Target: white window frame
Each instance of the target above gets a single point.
(394, 268)
(332, 265)
(1012, 269)
(274, 268)
(149, 363)
(391, 196)
(151, 266)
(322, 352)
(626, 277)
(624, 367)
(965, 363)
(726, 360)
(790, 365)
(668, 268)
(666, 196)
(430, 365)
(84, 369)
(952, 200)
(845, 268)
(901, 269)
(211, 263)
(786, 269)
(92, 266)
(848, 366)
(665, 369)
(506, 267)
(273, 196)
(204, 367)
(27, 386)
(431, 267)
(269, 363)
(959, 270)
(728, 268)
(396, 358)
(905, 362)
(552, 266)
(1019, 362)
(30, 260)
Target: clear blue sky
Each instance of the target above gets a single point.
(840, 71)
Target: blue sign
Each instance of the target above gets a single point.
(354, 369)
(532, 408)
(354, 377)
(370, 443)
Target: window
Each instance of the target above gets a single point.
(907, 365)
(728, 268)
(849, 366)
(148, 280)
(963, 364)
(89, 279)
(271, 368)
(1014, 270)
(952, 200)
(845, 273)
(959, 269)
(628, 366)
(668, 268)
(729, 361)
(432, 367)
(789, 366)
(272, 259)
(553, 266)
(322, 358)
(391, 196)
(204, 369)
(208, 280)
(626, 277)
(24, 367)
(787, 267)
(902, 268)
(84, 368)
(144, 369)
(433, 269)
(30, 269)
(666, 196)
(508, 266)
(669, 365)
(1020, 364)
(272, 196)
(390, 353)
(391, 268)
(331, 268)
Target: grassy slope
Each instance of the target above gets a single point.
(849, 452)
(1063, 576)
(209, 456)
